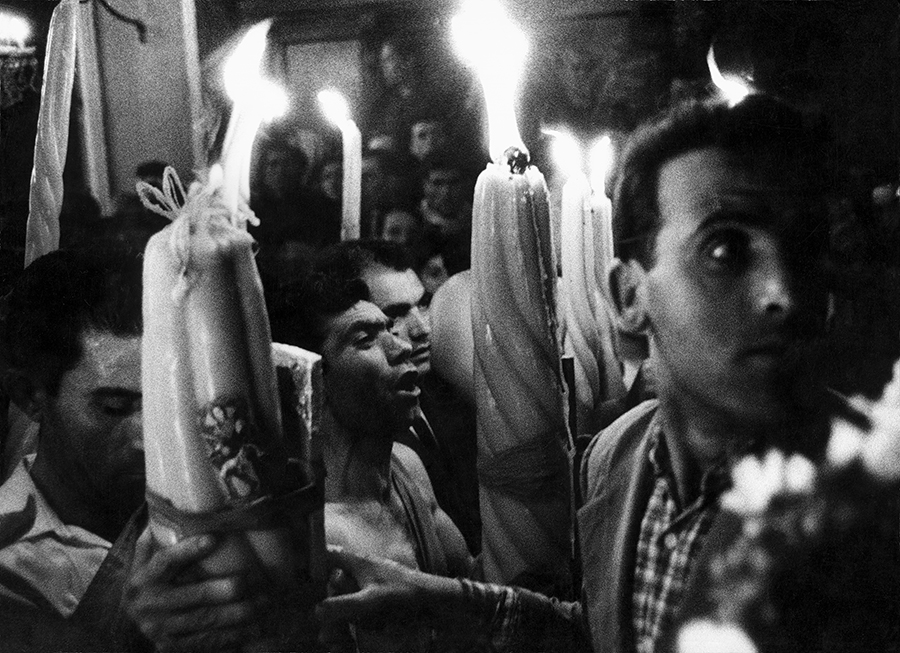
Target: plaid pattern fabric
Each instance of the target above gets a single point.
(669, 542)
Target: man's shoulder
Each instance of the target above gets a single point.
(616, 445)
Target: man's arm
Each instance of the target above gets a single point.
(506, 618)
(459, 560)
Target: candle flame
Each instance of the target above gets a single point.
(732, 87)
(334, 106)
(497, 50)
(601, 159)
(243, 78)
(565, 151)
(14, 29)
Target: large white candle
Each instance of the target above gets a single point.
(522, 457)
(46, 194)
(336, 109)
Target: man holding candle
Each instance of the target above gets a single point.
(721, 236)
(70, 344)
(71, 514)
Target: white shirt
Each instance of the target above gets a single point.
(43, 562)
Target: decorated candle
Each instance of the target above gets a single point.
(335, 108)
(522, 443)
(50, 147)
(213, 440)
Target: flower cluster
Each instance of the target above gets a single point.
(816, 566)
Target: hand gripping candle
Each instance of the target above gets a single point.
(522, 458)
(212, 428)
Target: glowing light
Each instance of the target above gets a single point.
(497, 50)
(334, 106)
(14, 29)
(565, 151)
(732, 87)
(601, 161)
(243, 78)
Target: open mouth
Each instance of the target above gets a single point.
(408, 383)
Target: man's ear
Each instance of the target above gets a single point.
(26, 393)
(626, 279)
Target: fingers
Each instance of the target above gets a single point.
(239, 615)
(166, 563)
(214, 591)
(347, 607)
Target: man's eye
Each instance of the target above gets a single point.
(120, 407)
(726, 249)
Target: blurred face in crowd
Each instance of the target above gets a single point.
(281, 172)
(332, 180)
(370, 383)
(443, 191)
(394, 65)
(578, 73)
(91, 427)
(426, 138)
(403, 299)
(736, 291)
(434, 273)
(401, 227)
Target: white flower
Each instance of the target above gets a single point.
(879, 448)
(755, 482)
(705, 636)
(845, 444)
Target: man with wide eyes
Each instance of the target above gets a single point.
(720, 244)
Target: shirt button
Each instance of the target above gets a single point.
(671, 540)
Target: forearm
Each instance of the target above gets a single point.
(504, 618)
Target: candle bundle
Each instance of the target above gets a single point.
(523, 465)
(212, 427)
(586, 241)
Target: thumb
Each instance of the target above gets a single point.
(346, 607)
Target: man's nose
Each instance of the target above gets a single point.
(775, 292)
(398, 350)
(420, 327)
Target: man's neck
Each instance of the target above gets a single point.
(357, 465)
(699, 438)
(69, 502)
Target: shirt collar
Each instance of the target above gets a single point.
(714, 481)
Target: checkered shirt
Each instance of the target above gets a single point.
(669, 543)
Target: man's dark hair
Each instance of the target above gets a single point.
(298, 310)
(59, 297)
(758, 125)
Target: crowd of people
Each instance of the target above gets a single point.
(721, 270)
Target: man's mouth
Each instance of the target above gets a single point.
(421, 354)
(408, 383)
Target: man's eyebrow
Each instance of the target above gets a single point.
(396, 309)
(367, 325)
(115, 392)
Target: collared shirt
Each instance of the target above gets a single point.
(669, 543)
(43, 562)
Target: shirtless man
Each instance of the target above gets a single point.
(378, 496)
